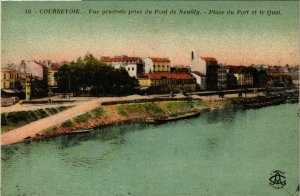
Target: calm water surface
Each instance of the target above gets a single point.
(223, 152)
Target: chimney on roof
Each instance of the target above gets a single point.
(192, 55)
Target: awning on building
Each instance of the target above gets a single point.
(8, 91)
(144, 88)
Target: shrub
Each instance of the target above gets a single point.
(98, 112)
(50, 131)
(61, 108)
(22, 116)
(82, 118)
(67, 123)
(41, 113)
(52, 110)
(3, 120)
(122, 111)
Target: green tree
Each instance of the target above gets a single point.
(89, 73)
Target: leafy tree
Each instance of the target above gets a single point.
(89, 74)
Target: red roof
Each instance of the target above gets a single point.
(199, 73)
(159, 59)
(178, 76)
(119, 59)
(209, 59)
(181, 70)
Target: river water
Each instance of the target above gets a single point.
(222, 152)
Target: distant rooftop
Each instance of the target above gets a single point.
(178, 76)
(209, 59)
(159, 59)
(119, 59)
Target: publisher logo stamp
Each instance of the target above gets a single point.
(277, 179)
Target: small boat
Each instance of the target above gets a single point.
(178, 117)
(78, 132)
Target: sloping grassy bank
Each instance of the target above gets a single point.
(13, 120)
(118, 113)
(124, 113)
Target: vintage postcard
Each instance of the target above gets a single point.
(150, 98)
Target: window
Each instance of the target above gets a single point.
(4, 76)
(132, 69)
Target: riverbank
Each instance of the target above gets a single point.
(130, 110)
(120, 113)
(154, 111)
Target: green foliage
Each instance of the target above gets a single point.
(14, 120)
(41, 113)
(50, 131)
(179, 106)
(140, 108)
(154, 110)
(89, 72)
(133, 109)
(52, 110)
(21, 116)
(3, 120)
(98, 112)
(61, 108)
(83, 118)
(67, 123)
(122, 111)
(198, 103)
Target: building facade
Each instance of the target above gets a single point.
(211, 73)
(244, 79)
(198, 64)
(168, 82)
(9, 78)
(133, 65)
(157, 64)
(207, 66)
(277, 76)
(200, 79)
(222, 78)
(52, 77)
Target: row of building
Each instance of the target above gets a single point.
(155, 74)
(203, 73)
(18, 80)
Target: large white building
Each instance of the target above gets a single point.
(200, 79)
(198, 64)
(133, 65)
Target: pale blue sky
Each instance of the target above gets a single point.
(230, 38)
